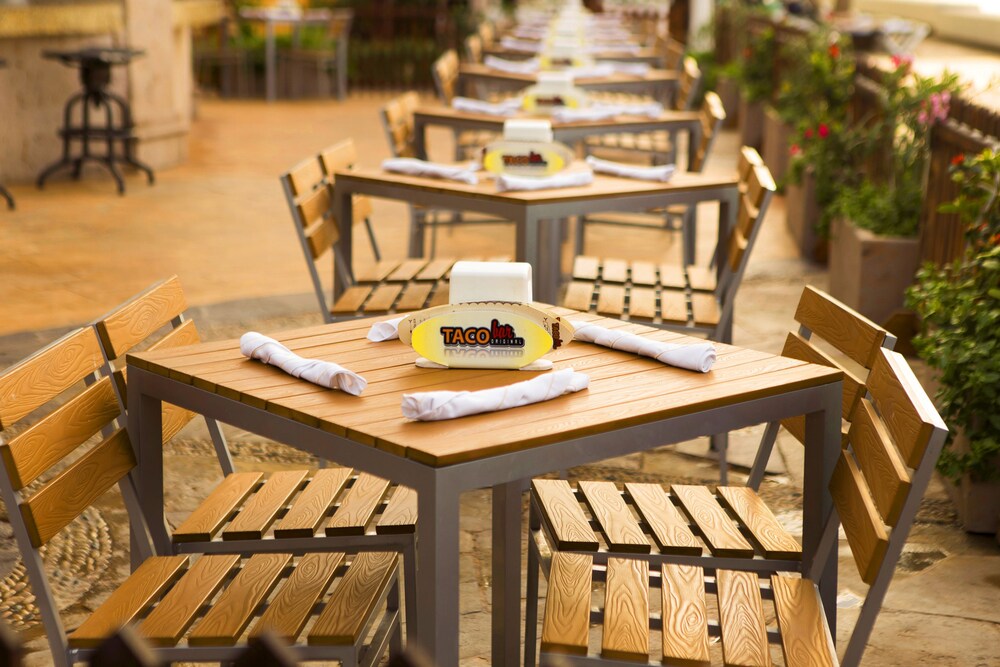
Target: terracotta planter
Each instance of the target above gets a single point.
(776, 140)
(802, 216)
(977, 503)
(729, 92)
(870, 273)
(751, 123)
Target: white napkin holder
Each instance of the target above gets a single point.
(527, 149)
(554, 90)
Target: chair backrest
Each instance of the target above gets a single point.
(895, 439)
(474, 48)
(713, 114)
(397, 121)
(342, 156)
(671, 51)
(487, 33)
(689, 84)
(445, 71)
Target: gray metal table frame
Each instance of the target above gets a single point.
(568, 133)
(662, 89)
(439, 489)
(646, 55)
(272, 18)
(536, 243)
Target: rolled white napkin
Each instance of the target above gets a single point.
(520, 45)
(385, 330)
(529, 66)
(568, 179)
(658, 173)
(505, 108)
(637, 69)
(435, 405)
(324, 373)
(590, 71)
(696, 357)
(605, 111)
(628, 49)
(465, 173)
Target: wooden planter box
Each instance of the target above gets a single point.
(802, 215)
(776, 140)
(751, 123)
(870, 273)
(729, 92)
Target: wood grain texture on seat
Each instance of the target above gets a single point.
(382, 298)
(47, 373)
(304, 176)
(642, 303)
(210, 515)
(260, 511)
(717, 529)
(765, 529)
(907, 412)
(351, 300)
(134, 321)
(128, 601)
(841, 326)
(626, 610)
(643, 273)
(705, 309)
(798, 347)
(673, 306)
(565, 626)
(310, 508)
(358, 506)
(407, 271)
(579, 296)
(414, 296)
(176, 611)
(375, 273)
(620, 529)
(234, 609)
(614, 271)
(184, 334)
(669, 529)
(562, 513)
(400, 515)
(288, 612)
(880, 462)
(685, 615)
(611, 300)
(805, 635)
(741, 616)
(865, 533)
(354, 599)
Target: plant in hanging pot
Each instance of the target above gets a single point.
(959, 307)
(874, 251)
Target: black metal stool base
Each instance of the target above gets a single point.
(8, 196)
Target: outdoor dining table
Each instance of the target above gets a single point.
(536, 213)
(633, 404)
(658, 83)
(566, 132)
(272, 17)
(643, 54)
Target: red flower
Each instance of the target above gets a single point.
(808, 134)
(958, 159)
(747, 52)
(794, 150)
(824, 130)
(995, 240)
(834, 51)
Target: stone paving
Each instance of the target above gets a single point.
(75, 250)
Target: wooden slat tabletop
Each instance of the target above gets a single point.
(652, 76)
(625, 389)
(621, 123)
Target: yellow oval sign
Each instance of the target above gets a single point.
(526, 158)
(479, 340)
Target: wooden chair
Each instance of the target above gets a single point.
(217, 53)
(487, 34)
(670, 296)
(193, 609)
(388, 286)
(713, 115)
(474, 48)
(328, 62)
(895, 439)
(671, 51)
(468, 143)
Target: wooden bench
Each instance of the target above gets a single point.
(191, 609)
(670, 296)
(745, 577)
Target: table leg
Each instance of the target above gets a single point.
(145, 426)
(507, 574)
(437, 573)
(343, 273)
(270, 56)
(694, 141)
(546, 268)
(728, 206)
(420, 138)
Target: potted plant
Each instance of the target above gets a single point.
(959, 307)
(754, 72)
(874, 250)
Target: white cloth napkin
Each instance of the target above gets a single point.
(605, 111)
(529, 66)
(324, 373)
(435, 405)
(465, 173)
(385, 330)
(658, 173)
(637, 69)
(505, 108)
(569, 179)
(607, 68)
(630, 49)
(696, 357)
(520, 45)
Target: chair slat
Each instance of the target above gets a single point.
(406, 271)
(670, 529)
(262, 509)
(565, 627)
(129, 600)
(579, 296)
(440, 296)
(586, 268)
(685, 616)
(626, 610)
(908, 413)
(133, 322)
(46, 443)
(358, 506)
(352, 298)
(562, 512)
(377, 272)
(47, 373)
(614, 271)
(705, 310)
(851, 333)
(75, 488)
(414, 296)
(643, 273)
(805, 635)
(765, 529)
(620, 529)
(305, 176)
(288, 612)
(435, 270)
(185, 334)
(880, 462)
(673, 306)
(611, 300)
(321, 238)
(862, 524)
(202, 524)
(341, 155)
(310, 508)
(234, 609)
(798, 347)
(701, 278)
(400, 515)
(173, 419)
(741, 615)
(314, 206)
(382, 298)
(175, 613)
(642, 302)
(672, 275)
(343, 618)
(718, 530)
